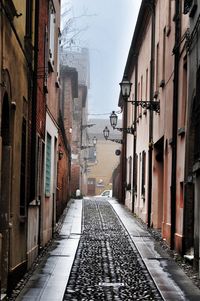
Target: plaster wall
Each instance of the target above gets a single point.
(129, 149)
(141, 201)
(14, 72)
(107, 161)
(192, 165)
(53, 76)
(162, 122)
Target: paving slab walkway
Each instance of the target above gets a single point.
(172, 282)
(48, 283)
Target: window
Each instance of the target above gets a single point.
(92, 156)
(48, 166)
(169, 17)
(141, 96)
(46, 57)
(162, 83)
(184, 93)
(157, 67)
(143, 173)
(181, 195)
(91, 181)
(58, 59)
(52, 21)
(196, 118)
(135, 172)
(23, 170)
(29, 9)
(138, 91)
(146, 88)
(129, 172)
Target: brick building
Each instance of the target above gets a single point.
(77, 112)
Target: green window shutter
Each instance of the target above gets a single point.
(48, 165)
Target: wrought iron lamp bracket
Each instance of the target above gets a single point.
(129, 130)
(116, 140)
(149, 105)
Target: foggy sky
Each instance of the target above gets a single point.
(107, 29)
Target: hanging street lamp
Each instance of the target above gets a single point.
(106, 134)
(113, 122)
(153, 105)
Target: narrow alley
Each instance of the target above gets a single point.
(103, 253)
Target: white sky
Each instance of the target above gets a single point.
(110, 26)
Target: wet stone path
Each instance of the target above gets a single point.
(107, 265)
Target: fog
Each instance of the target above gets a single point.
(106, 28)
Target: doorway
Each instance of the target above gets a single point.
(5, 189)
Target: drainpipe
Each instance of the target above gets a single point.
(34, 107)
(124, 152)
(152, 71)
(135, 137)
(175, 122)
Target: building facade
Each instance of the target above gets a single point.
(79, 61)
(16, 79)
(192, 188)
(48, 208)
(157, 67)
(29, 127)
(102, 159)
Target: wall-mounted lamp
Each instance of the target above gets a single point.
(113, 122)
(106, 133)
(152, 105)
(94, 141)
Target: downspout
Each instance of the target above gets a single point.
(34, 107)
(152, 71)
(135, 138)
(175, 123)
(124, 152)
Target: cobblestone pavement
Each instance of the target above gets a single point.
(107, 265)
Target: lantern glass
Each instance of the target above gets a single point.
(125, 88)
(113, 119)
(106, 132)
